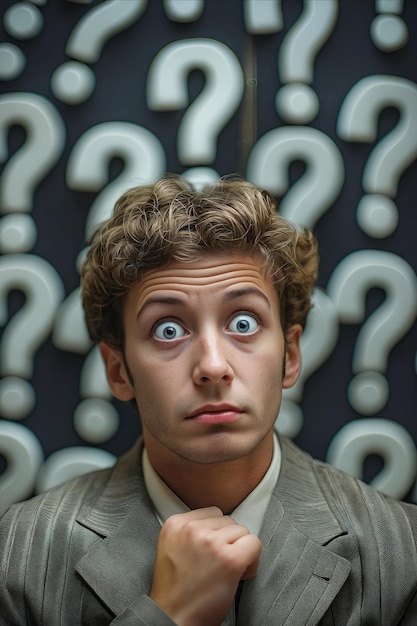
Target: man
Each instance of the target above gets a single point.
(198, 301)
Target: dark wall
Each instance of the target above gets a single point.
(338, 148)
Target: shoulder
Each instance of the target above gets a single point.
(357, 505)
(50, 512)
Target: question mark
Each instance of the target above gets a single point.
(202, 122)
(73, 82)
(311, 196)
(183, 10)
(87, 170)
(358, 439)
(24, 456)
(349, 283)
(317, 342)
(43, 290)
(389, 31)
(262, 16)
(144, 159)
(296, 102)
(377, 213)
(88, 164)
(28, 166)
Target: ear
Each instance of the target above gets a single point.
(116, 372)
(292, 356)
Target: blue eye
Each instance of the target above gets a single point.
(244, 324)
(167, 331)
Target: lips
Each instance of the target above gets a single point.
(216, 414)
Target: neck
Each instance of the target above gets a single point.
(225, 484)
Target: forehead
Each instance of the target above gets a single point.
(212, 272)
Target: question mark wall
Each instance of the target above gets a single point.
(316, 100)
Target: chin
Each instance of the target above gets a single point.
(221, 448)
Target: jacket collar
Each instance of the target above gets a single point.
(298, 576)
(117, 567)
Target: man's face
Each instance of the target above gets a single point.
(204, 358)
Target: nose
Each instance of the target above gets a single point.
(211, 364)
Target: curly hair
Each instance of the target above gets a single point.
(170, 221)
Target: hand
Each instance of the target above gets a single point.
(201, 557)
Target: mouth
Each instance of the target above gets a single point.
(216, 414)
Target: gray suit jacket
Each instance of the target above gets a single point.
(335, 551)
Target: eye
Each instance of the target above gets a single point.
(167, 331)
(244, 324)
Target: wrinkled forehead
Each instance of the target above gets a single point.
(217, 271)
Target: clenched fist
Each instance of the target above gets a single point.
(201, 557)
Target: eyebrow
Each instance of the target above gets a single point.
(160, 300)
(233, 294)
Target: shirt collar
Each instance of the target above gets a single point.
(250, 512)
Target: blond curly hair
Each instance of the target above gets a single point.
(170, 221)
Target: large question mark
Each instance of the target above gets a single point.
(262, 16)
(311, 196)
(317, 343)
(388, 31)
(377, 213)
(202, 122)
(296, 102)
(43, 290)
(88, 164)
(356, 440)
(42, 148)
(348, 286)
(144, 161)
(306, 201)
(73, 82)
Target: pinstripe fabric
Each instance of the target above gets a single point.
(335, 552)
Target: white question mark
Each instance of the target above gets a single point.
(204, 119)
(389, 31)
(317, 343)
(358, 439)
(296, 102)
(377, 213)
(311, 196)
(88, 164)
(24, 456)
(183, 10)
(87, 170)
(263, 16)
(348, 286)
(95, 419)
(42, 148)
(43, 290)
(73, 82)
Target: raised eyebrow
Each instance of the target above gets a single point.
(171, 300)
(234, 294)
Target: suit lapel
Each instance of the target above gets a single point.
(118, 566)
(298, 576)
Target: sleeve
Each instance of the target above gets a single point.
(143, 612)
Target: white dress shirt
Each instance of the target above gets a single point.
(250, 512)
